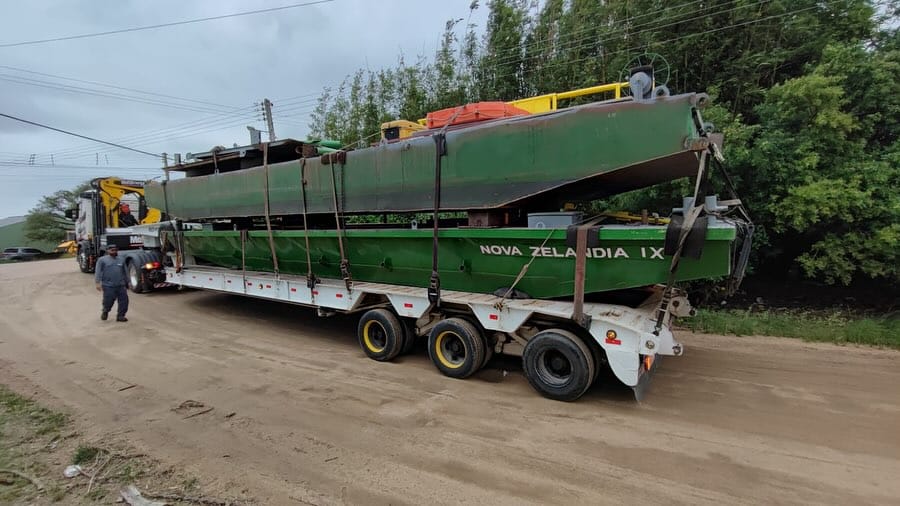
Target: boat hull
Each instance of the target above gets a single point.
(579, 153)
(472, 260)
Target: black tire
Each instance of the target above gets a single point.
(409, 336)
(84, 261)
(134, 270)
(380, 335)
(456, 347)
(488, 342)
(559, 365)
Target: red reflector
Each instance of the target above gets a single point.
(268, 286)
(407, 304)
(293, 289)
(249, 283)
(493, 317)
(315, 292)
(339, 295)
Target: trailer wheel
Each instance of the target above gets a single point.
(380, 335)
(456, 347)
(558, 365)
(135, 277)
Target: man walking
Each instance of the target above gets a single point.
(111, 280)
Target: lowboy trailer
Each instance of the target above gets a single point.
(561, 358)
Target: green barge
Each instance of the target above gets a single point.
(534, 163)
(469, 259)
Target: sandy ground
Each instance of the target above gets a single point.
(734, 421)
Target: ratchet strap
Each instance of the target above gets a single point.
(311, 279)
(434, 284)
(266, 207)
(330, 159)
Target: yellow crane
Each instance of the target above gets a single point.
(111, 190)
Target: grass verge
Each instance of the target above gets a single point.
(836, 327)
(36, 445)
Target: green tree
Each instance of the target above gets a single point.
(47, 221)
(828, 161)
(449, 88)
(500, 69)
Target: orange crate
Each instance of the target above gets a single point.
(479, 111)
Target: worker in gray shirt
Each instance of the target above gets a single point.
(112, 280)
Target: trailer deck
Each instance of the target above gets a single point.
(625, 334)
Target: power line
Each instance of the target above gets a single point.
(163, 133)
(87, 152)
(163, 25)
(106, 85)
(629, 31)
(283, 101)
(690, 35)
(213, 126)
(42, 168)
(100, 93)
(559, 41)
(302, 113)
(154, 155)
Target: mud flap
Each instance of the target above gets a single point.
(644, 380)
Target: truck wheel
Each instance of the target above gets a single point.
(380, 335)
(456, 347)
(135, 277)
(84, 261)
(558, 365)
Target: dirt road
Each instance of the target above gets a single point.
(734, 421)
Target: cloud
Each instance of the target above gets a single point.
(235, 62)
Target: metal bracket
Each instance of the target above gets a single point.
(434, 289)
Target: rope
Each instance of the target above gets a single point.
(743, 256)
(499, 305)
(358, 141)
(266, 207)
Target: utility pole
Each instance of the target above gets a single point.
(267, 113)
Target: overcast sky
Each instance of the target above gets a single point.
(224, 66)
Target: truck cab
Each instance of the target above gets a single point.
(100, 219)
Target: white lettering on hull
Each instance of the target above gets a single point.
(651, 252)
